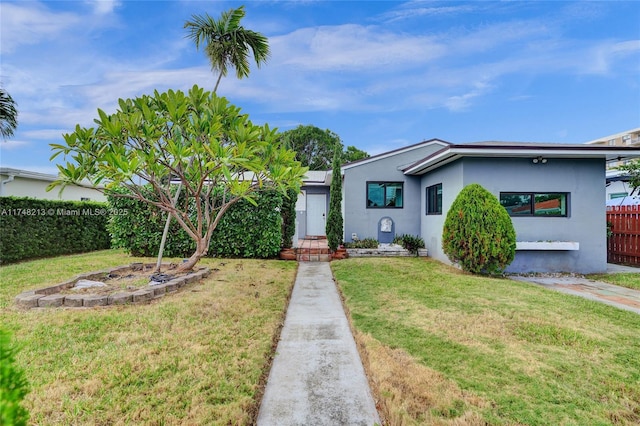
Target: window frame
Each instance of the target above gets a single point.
(532, 197)
(438, 199)
(384, 183)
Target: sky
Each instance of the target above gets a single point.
(380, 74)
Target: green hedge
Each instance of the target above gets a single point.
(245, 230)
(32, 228)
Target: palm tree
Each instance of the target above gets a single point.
(228, 43)
(8, 114)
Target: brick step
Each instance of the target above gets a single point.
(313, 254)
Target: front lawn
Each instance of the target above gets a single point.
(444, 347)
(623, 279)
(195, 357)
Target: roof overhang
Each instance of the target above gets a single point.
(454, 152)
(394, 152)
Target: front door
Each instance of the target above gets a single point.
(316, 214)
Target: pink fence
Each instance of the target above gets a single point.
(623, 244)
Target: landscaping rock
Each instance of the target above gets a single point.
(74, 300)
(28, 300)
(120, 298)
(53, 300)
(142, 295)
(95, 300)
(88, 284)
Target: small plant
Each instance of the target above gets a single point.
(410, 242)
(478, 232)
(13, 385)
(367, 243)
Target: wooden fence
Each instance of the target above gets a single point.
(623, 244)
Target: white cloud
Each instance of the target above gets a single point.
(352, 48)
(103, 7)
(29, 23)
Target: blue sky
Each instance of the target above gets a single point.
(380, 74)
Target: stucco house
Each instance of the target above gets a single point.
(554, 193)
(25, 183)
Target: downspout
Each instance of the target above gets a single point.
(4, 182)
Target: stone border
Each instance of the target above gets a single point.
(385, 251)
(51, 296)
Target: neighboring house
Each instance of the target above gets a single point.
(23, 183)
(553, 192)
(619, 191)
(627, 138)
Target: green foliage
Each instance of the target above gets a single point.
(250, 231)
(228, 43)
(410, 242)
(288, 213)
(32, 228)
(8, 114)
(334, 227)
(246, 230)
(13, 385)
(315, 148)
(351, 153)
(633, 170)
(478, 232)
(199, 139)
(369, 243)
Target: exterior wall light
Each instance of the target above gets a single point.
(539, 160)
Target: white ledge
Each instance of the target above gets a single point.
(547, 245)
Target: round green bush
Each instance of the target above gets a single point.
(478, 233)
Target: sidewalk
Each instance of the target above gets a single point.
(317, 377)
(620, 297)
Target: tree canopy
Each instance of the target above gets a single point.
(198, 139)
(228, 44)
(315, 147)
(8, 114)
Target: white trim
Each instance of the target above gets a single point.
(395, 152)
(454, 152)
(547, 245)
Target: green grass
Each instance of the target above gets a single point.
(516, 353)
(195, 357)
(629, 280)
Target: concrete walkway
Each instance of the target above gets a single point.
(620, 297)
(317, 376)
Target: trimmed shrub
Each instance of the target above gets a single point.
(335, 222)
(33, 228)
(410, 242)
(288, 212)
(478, 232)
(13, 385)
(245, 230)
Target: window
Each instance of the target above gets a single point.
(434, 199)
(552, 204)
(384, 194)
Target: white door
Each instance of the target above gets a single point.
(316, 214)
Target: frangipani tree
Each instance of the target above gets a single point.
(198, 139)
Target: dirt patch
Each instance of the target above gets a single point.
(135, 283)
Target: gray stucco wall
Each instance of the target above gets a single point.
(364, 221)
(583, 179)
